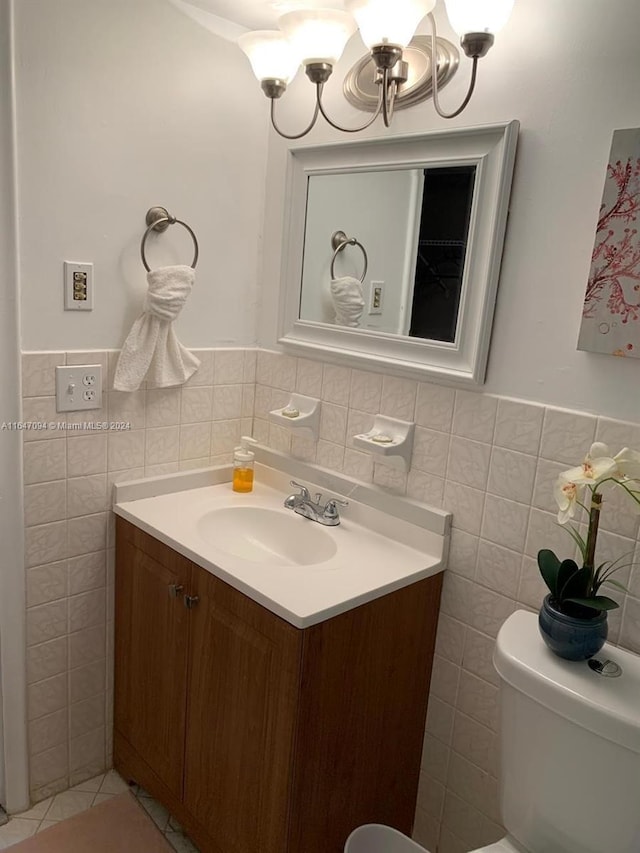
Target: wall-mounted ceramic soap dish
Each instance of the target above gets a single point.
(301, 413)
(390, 441)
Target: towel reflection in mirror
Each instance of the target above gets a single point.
(348, 300)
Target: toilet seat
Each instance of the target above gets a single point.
(505, 845)
(375, 838)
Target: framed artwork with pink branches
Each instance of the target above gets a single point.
(611, 311)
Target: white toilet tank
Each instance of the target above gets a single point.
(570, 746)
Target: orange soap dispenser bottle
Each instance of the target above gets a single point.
(243, 461)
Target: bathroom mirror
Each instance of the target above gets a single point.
(420, 219)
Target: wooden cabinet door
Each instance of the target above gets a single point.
(151, 647)
(365, 683)
(241, 716)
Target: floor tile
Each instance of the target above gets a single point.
(101, 798)
(36, 812)
(97, 790)
(17, 830)
(142, 794)
(174, 825)
(90, 784)
(113, 783)
(157, 812)
(69, 803)
(180, 842)
(45, 824)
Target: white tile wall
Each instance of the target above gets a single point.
(491, 461)
(69, 536)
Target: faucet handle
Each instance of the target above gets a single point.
(331, 507)
(304, 491)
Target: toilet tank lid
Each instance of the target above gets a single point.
(609, 707)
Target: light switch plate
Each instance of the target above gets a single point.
(78, 387)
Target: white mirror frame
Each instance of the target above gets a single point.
(491, 148)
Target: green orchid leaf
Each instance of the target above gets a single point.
(578, 539)
(577, 585)
(604, 577)
(598, 602)
(600, 573)
(549, 566)
(617, 584)
(621, 557)
(567, 570)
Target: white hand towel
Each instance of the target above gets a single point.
(152, 350)
(348, 301)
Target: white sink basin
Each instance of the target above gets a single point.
(300, 570)
(271, 536)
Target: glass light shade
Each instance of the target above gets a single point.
(270, 55)
(388, 21)
(318, 35)
(478, 16)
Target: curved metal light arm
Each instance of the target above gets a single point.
(292, 135)
(388, 104)
(434, 75)
(379, 108)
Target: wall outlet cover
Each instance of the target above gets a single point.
(78, 387)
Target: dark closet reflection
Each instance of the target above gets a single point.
(442, 245)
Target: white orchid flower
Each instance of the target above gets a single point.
(598, 465)
(628, 462)
(566, 494)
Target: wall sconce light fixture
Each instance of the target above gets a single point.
(399, 70)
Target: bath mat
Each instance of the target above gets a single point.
(118, 825)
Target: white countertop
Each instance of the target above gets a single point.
(375, 552)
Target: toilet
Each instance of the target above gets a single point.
(570, 752)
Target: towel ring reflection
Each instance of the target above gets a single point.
(338, 242)
(159, 219)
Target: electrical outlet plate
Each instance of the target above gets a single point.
(78, 286)
(78, 387)
(376, 297)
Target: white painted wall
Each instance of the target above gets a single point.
(123, 105)
(13, 747)
(569, 72)
(354, 204)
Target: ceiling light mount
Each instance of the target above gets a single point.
(413, 74)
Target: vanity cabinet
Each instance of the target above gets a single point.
(151, 651)
(260, 737)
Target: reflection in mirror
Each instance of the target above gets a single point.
(441, 251)
(429, 212)
(411, 226)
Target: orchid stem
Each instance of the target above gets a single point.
(592, 534)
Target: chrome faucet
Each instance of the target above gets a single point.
(302, 503)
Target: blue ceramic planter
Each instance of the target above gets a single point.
(569, 637)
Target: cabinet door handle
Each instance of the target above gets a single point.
(175, 589)
(190, 601)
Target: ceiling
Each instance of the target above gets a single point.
(230, 18)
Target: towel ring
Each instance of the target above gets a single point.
(338, 241)
(159, 219)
